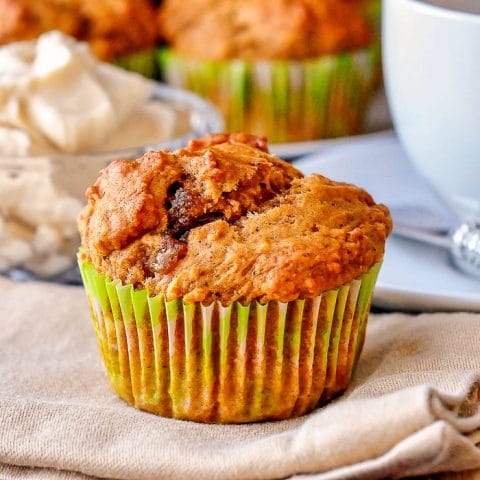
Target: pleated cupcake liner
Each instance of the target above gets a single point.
(285, 100)
(228, 364)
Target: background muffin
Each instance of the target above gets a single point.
(115, 29)
(240, 287)
(290, 70)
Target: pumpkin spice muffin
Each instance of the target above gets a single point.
(240, 287)
(292, 70)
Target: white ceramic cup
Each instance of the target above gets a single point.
(431, 61)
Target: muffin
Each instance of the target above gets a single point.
(117, 30)
(291, 70)
(225, 286)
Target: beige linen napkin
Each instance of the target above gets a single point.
(410, 409)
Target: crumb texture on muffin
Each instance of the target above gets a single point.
(264, 29)
(223, 220)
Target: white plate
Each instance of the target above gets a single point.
(419, 277)
(296, 149)
(414, 276)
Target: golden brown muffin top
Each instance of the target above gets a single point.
(264, 29)
(113, 27)
(224, 220)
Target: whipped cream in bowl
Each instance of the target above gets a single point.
(64, 115)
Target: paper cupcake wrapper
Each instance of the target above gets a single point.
(285, 100)
(142, 62)
(229, 364)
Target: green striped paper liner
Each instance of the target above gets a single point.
(143, 62)
(228, 364)
(286, 100)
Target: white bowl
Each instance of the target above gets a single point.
(431, 56)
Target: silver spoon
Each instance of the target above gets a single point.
(465, 249)
(463, 243)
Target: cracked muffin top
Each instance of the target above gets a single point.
(223, 220)
(265, 29)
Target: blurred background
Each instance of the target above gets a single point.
(292, 70)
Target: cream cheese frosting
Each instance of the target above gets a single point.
(55, 97)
